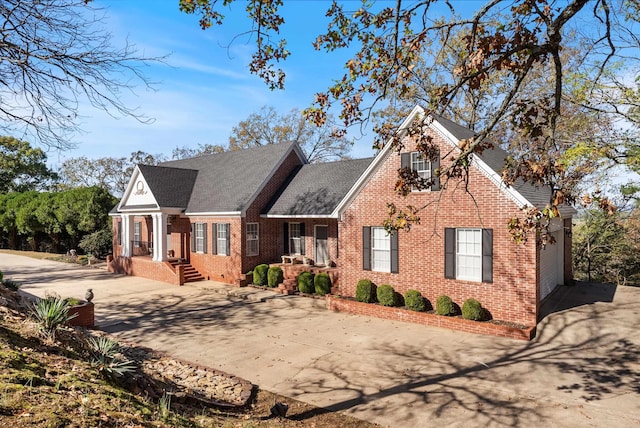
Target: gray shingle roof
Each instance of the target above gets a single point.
(316, 189)
(171, 186)
(227, 181)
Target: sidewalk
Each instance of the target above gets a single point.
(582, 369)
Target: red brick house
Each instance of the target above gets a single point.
(225, 213)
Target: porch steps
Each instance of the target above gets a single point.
(190, 273)
(288, 286)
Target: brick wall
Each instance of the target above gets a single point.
(513, 294)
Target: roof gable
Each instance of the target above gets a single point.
(227, 183)
(138, 195)
(490, 163)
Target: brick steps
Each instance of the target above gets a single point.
(190, 273)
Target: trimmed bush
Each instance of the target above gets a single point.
(365, 291)
(445, 306)
(275, 276)
(260, 275)
(414, 301)
(386, 295)
(305, 283)
(472, 310)
(322, 284)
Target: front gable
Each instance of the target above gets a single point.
(138, 195)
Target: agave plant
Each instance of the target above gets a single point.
(105, 356)
(50, 314)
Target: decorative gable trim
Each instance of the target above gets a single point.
(138, 195)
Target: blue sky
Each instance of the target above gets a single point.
(205, 88)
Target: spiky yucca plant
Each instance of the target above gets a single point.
(105, 356)
(50, 314)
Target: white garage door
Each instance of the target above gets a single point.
(551, 265)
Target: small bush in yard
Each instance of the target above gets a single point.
(275, 276)
(445, 306)
(305, 283)
(260, 275)
(386, 295)
(50, 314)
(1, 276)
(322, 284)
(472, 310)
(414, 301)
(365, 291)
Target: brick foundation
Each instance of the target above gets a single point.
(337, 304)
(146, 268)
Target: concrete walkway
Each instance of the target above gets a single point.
(582, 370)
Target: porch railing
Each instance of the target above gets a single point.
(141, 248)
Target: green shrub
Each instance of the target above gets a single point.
(322, 284)
(414, 301)
(105, 357)
(50, 314)
(305, 283)
(365, 291)
(260, 274)
(275, 276)
(386, 295)
(1, 276)
(472, 310)
(11, 284)
(444, 306)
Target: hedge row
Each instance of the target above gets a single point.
(385, 295)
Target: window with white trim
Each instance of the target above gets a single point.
(222, 239)
(421, 166)
(200, 237)
(253, 243)
(295, 246)
(469, 254)
(380, 250)
(137, 233)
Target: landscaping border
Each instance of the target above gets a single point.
(338, 304)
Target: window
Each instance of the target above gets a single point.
(469, 254)
(222, 239)
(295, 247)
(379, 250)
(137, 233)
(425, 168)
(119, 233)
(200, 237)
(420, 165)
(253, 246)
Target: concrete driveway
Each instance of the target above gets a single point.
(583, 369)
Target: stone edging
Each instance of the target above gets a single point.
(337, 304)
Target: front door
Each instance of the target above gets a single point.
(322, 247)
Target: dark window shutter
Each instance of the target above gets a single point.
(405, 160)
(227, 228)
(119, 233)
(394, 252)
(302, 239)
(285, 228)
(450, 253)
(366, 248)
(435, 164)
(487, 255)
(214, 238)
(193, 237)
(204, 241)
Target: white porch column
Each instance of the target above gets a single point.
(159, 237)
(127, 234)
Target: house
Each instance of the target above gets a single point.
(221, 215)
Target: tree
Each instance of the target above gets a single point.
(319, 143)
(109, 173)
(185, 152)
(53, 56)
(519, 41)
(22, 167)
